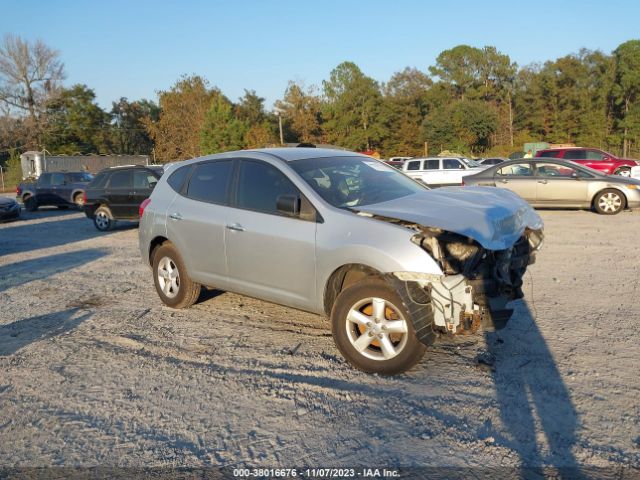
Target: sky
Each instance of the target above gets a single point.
(135, 48)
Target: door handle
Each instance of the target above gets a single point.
(236, 227)
(175, 216)
(542, 181)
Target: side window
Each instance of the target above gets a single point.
(210, 181)
(260, 185)
(414, 165)
(99, 180)
(451, 164)
(57, 179)
(121, 179)
(594, 155)
(44, 180)
(548, 154)
(516, 170)
(177, 178)
(144, 179)
(432, 164)
(575, 155)
(554, 170)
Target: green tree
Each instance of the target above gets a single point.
(250, 109)
(405, 105)
(221, 131)
(352, 109)
(128, 133)
(626, 92)
(176, 133)
(301, 113)
(76, 124)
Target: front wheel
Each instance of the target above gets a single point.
(373, 330)
(609, 202)
(173, 284)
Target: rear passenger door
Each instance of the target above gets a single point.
(119, 193)
(197, 217)
(269, 254)
(58, 182)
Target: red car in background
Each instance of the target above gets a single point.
(592, 157)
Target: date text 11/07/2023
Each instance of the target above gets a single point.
(315, 473)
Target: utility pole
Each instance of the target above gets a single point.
(280, 126)
(426, 149)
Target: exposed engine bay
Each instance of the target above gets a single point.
(476, 286)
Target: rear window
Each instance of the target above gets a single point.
(209, 181)
(177, 178)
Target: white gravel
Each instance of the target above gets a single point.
(94, 371)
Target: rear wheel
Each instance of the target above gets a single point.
(78, 199)
(173, 284)
(373, 330)
(609, 202)
(30, 203)
(103, 219)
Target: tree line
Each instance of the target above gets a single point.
(472, 100)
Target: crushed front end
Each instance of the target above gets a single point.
(476, 286)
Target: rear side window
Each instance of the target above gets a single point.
(575, 155)
(177, 178)
(260, 185)
(99, 180)
(548, 154)
(210, 181)
(121, 179)
(432, 164)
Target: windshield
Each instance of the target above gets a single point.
(80, 177)
(470, 163)
(347, 182)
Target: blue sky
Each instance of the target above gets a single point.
(134, 48)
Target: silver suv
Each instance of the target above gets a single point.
(336, 233)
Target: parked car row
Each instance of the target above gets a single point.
(550, 182)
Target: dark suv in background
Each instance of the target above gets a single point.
(592, 157)
(117, 192)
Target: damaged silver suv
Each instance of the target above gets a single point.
(393, 263)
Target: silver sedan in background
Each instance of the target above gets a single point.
(560, 183)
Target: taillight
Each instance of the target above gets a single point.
(18, 191)
(143, 205)
(84, 197)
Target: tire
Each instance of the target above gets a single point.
(623, 172)
(30, 204)
(103, 219)
(78, 200)
(365, 341)
(609, 202)
(176, 290)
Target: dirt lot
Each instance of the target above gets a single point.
(94, 371)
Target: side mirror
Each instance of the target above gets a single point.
(288, 204)
(575, 175)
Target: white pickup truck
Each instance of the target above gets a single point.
(441, 171)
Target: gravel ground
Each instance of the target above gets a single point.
(94, 371)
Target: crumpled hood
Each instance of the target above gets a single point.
(494, 217)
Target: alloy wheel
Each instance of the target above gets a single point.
(168, 277)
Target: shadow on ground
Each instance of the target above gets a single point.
(19, 273)
(17, 335)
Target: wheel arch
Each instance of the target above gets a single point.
(341, 278)
(154, 244)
